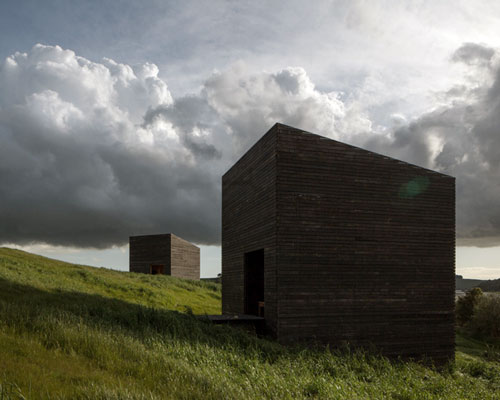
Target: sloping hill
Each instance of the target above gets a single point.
(466, 284)
(75, 332)
(20, 269)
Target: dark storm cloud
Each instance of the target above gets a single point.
(67, 191)
(76, 167)
(91, 153)
(461, 139)
(473, 53)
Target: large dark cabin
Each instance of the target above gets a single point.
(335, 244)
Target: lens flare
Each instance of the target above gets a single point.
(414, 187)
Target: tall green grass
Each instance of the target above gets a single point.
(73, 332)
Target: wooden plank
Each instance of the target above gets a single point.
(179, 257)
(359, 247)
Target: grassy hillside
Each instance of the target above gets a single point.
(74, 332)
(22, 272)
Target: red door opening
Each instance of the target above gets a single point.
(157, 269)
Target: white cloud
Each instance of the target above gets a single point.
(249, 103)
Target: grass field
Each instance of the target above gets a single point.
(75, 332)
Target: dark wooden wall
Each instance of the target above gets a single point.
(180, 257)
(249, 224)
(185, 259)
(365, 244)
(366, 249)
(147, 250)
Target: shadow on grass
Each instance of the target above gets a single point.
(22, 305)
(485, 348)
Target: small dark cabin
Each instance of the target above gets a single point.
(164, 254)
(335, 244)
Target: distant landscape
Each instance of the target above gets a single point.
(72, 331)
(489, 285)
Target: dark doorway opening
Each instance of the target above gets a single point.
(254, 283)
(157, 269)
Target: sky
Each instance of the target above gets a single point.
(118, 118)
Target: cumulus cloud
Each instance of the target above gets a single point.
(78, 167)
(92, 152)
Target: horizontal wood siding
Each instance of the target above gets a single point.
(248, 224)
(365, 249)
(180, 257)
(147, 250)
(185, 259)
